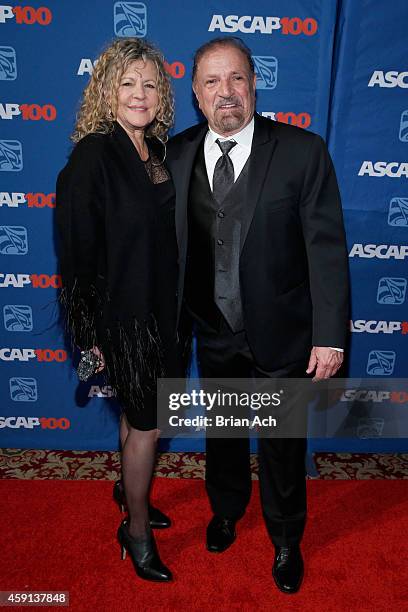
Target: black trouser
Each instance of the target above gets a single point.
(223, 354)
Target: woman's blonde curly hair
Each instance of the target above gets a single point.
(98, 108)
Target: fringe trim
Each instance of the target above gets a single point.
(80, 315)
(185, 344)
(133, 354)
(133, 369)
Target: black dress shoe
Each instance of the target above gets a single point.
(144, 554)
(220, 534)
(157, 518)
(288, 568)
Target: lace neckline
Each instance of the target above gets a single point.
(155, 169)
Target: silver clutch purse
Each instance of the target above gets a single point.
(87, 366)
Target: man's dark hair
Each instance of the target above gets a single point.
(225, 41)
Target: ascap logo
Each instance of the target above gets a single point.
(379, 327)
(302, 120)
(176, 69)
(392, 78)
(382, 168)
(245, 24)
(130, 19)
(403, 131)
(25, 354)
(381, 363)
(381, 251)
(38, 281)
(23, 389)
(375, 396)
(97, 391)
(27, 15)
(398, 212)
(18, 318)
(19, 421)
(28, 112)
(12, 199)
(266, 70)
(13, 240)
(16, 422)
(18, 281)
(391, 290)
(11, 156)
(370, 427)
(264, 25)
(33, 200)
(8, 64)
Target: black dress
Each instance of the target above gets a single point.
(166, 282)
(118, 261)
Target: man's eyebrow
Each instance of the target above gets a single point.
(210, 75)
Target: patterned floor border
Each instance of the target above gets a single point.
(103, 465)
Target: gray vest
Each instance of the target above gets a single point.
(214, 242)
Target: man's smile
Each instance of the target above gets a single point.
(228, 105)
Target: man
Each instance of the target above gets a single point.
(263, 274)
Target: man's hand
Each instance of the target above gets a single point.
(98, 353)
(325, 360)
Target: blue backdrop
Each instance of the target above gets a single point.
(336, 68)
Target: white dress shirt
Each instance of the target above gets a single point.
(238, 155)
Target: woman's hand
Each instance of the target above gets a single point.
(98, 353)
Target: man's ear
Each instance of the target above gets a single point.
(196, 95)
(195, 92)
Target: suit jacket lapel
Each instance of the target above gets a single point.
(181, 172)
(263, 147)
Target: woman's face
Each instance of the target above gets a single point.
(138, 99)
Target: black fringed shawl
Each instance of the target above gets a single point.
(109, 253)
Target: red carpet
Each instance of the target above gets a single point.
(60, 535)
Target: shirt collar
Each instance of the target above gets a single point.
(243, 138)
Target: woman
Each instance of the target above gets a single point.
(115, 216)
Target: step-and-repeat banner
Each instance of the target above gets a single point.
(335, 68)
(368, 138)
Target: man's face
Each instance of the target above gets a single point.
(225, 89)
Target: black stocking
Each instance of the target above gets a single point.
(138, 460)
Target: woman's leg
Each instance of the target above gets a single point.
(138, 460)
(123, 429)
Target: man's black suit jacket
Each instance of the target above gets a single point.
(293, 262)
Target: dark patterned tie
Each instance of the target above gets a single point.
(223, 178)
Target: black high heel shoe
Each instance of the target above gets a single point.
(157, 519)
(144, 554)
